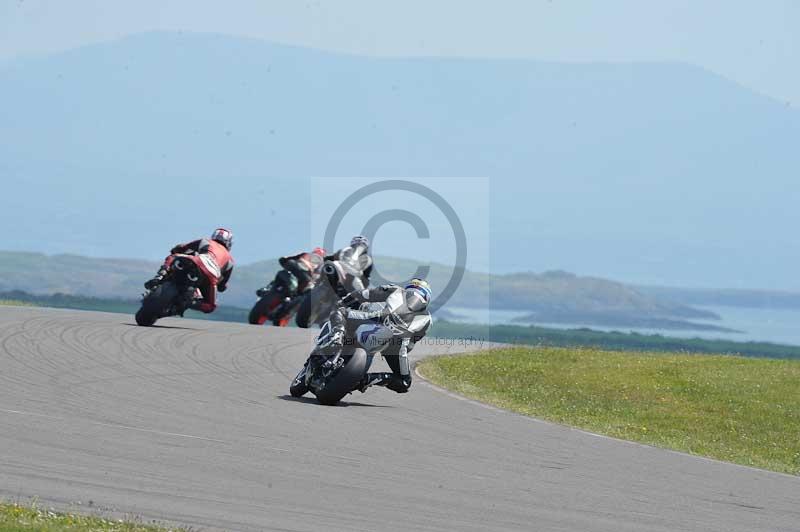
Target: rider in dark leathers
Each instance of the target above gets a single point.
(306, 268)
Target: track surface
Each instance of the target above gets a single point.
(191, 424)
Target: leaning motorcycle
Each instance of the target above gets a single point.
(331, 372)
(332, 376)
(177, 290)
(276, 305)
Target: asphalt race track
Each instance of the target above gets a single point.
(190, 423)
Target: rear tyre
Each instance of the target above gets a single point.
(154, 304)
(345, 379)
(258, 314)
(283, 321)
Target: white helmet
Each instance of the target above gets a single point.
(359, 240)
(223, 236)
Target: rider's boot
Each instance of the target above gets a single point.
(155, 281)
(373, 379)
(396, 383)
(261, 292)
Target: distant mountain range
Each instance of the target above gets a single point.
(654, 173)
(551, 297)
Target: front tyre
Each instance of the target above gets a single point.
(298, 387)
(345, 380)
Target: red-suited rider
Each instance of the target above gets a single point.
(216, 265)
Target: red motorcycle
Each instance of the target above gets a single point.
(186, 276)
(277, 303)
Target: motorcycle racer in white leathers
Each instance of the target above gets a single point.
(401, 310)
(358, 261)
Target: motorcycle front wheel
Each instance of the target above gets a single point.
(345, 380)
(298, 387)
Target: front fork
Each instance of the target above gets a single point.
(319, 367)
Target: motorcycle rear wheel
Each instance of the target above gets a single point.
(261, 309)
(155, 303)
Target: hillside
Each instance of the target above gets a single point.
(765, 299)
(635, 171)
(549, 293)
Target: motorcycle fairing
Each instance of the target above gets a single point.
(373, 337)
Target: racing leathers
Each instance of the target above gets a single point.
(383, 306)
(306, 268)
(216, 266)
(360, 259)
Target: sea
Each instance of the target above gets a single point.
(780, 326)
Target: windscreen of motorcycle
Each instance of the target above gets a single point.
(373, 337)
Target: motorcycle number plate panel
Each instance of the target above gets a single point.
(373, 337)
(211, 265)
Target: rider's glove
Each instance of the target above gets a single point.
(350, 299)
(333, 341)
(341, 291)
(337, 338)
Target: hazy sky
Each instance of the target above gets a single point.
(756, 43)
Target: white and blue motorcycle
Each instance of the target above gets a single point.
(331, 371)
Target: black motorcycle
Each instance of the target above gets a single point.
(339, 278)
(277, 302)
(174, 294)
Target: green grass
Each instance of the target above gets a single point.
(614, 341)
(15, 303)
(23, 518)
(736, 409)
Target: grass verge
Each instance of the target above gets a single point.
(736, 409)
(15, 303)
(19, 518)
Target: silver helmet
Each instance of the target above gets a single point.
(417, 295)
